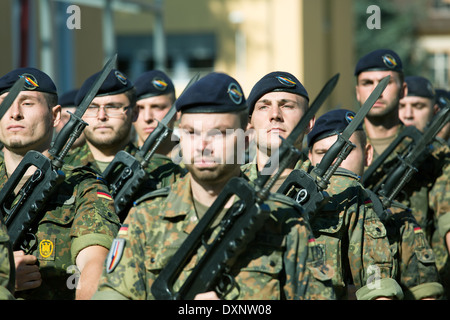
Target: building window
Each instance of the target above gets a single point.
(439, 65)
(186, 55)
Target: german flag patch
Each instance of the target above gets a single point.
(104, 195)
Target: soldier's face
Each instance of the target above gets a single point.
(28, 124)
(387, 103)
(208, 144)
(359, 157)
(276, 114)
(151, 111)
(416, 111)
(105, 130)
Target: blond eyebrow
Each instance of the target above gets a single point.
(283, 101)
(26, 96)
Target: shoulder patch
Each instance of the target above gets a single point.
(115, 254)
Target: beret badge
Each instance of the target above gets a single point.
(159, 84)
(235, 93)
(389, 61)
(349, 116)
(30, 81)
(286, 81)
(121, 77)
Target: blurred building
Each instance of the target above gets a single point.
(244, 38)
(434, 39)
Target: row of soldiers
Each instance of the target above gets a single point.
(350, 247)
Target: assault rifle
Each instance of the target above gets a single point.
(22, 212)
(12, 95)
(371, 176)
(126, 174)
(408, 165)
(311, 187)
(237, 228)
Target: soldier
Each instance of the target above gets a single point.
(79, 223)
(109, 120)
(416, 274)
(325, 132)
(274, 265)
(382, 123)
(155, 96)
(426, 193)
(7, 268)
(67, 103)
(418, 107)
(350, 234)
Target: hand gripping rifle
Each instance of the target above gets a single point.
(237, 228)
(311, 187)
(23, 212)
(408, 165)
(126, 174)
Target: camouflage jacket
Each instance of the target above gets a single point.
(352, 238)
(414, 260)
(82, 156)
(7, 267)
(161, 169)
(79, 215)
(282, 262)
(427, 194)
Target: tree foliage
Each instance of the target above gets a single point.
(398, 31)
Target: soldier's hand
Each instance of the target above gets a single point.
(211, 295)
(27, 271)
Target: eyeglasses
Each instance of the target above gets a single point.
(110, 110)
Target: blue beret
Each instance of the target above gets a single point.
(35, 80)
(214, 93)
(275, 81)
(379, 60)
(153, 83)
(115, 83)
(68, 98)
(329, 124)
(420, 87)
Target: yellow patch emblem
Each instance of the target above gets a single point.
(46, 248)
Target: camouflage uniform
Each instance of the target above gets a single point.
(161, 168)
(427, 194)
(80, 215)
(352, 237)
(414, 261)
(7, 267)
(82, 156)
(280, 264)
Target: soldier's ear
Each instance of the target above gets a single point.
(404, 90)
(368, 155)
(56, 113)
